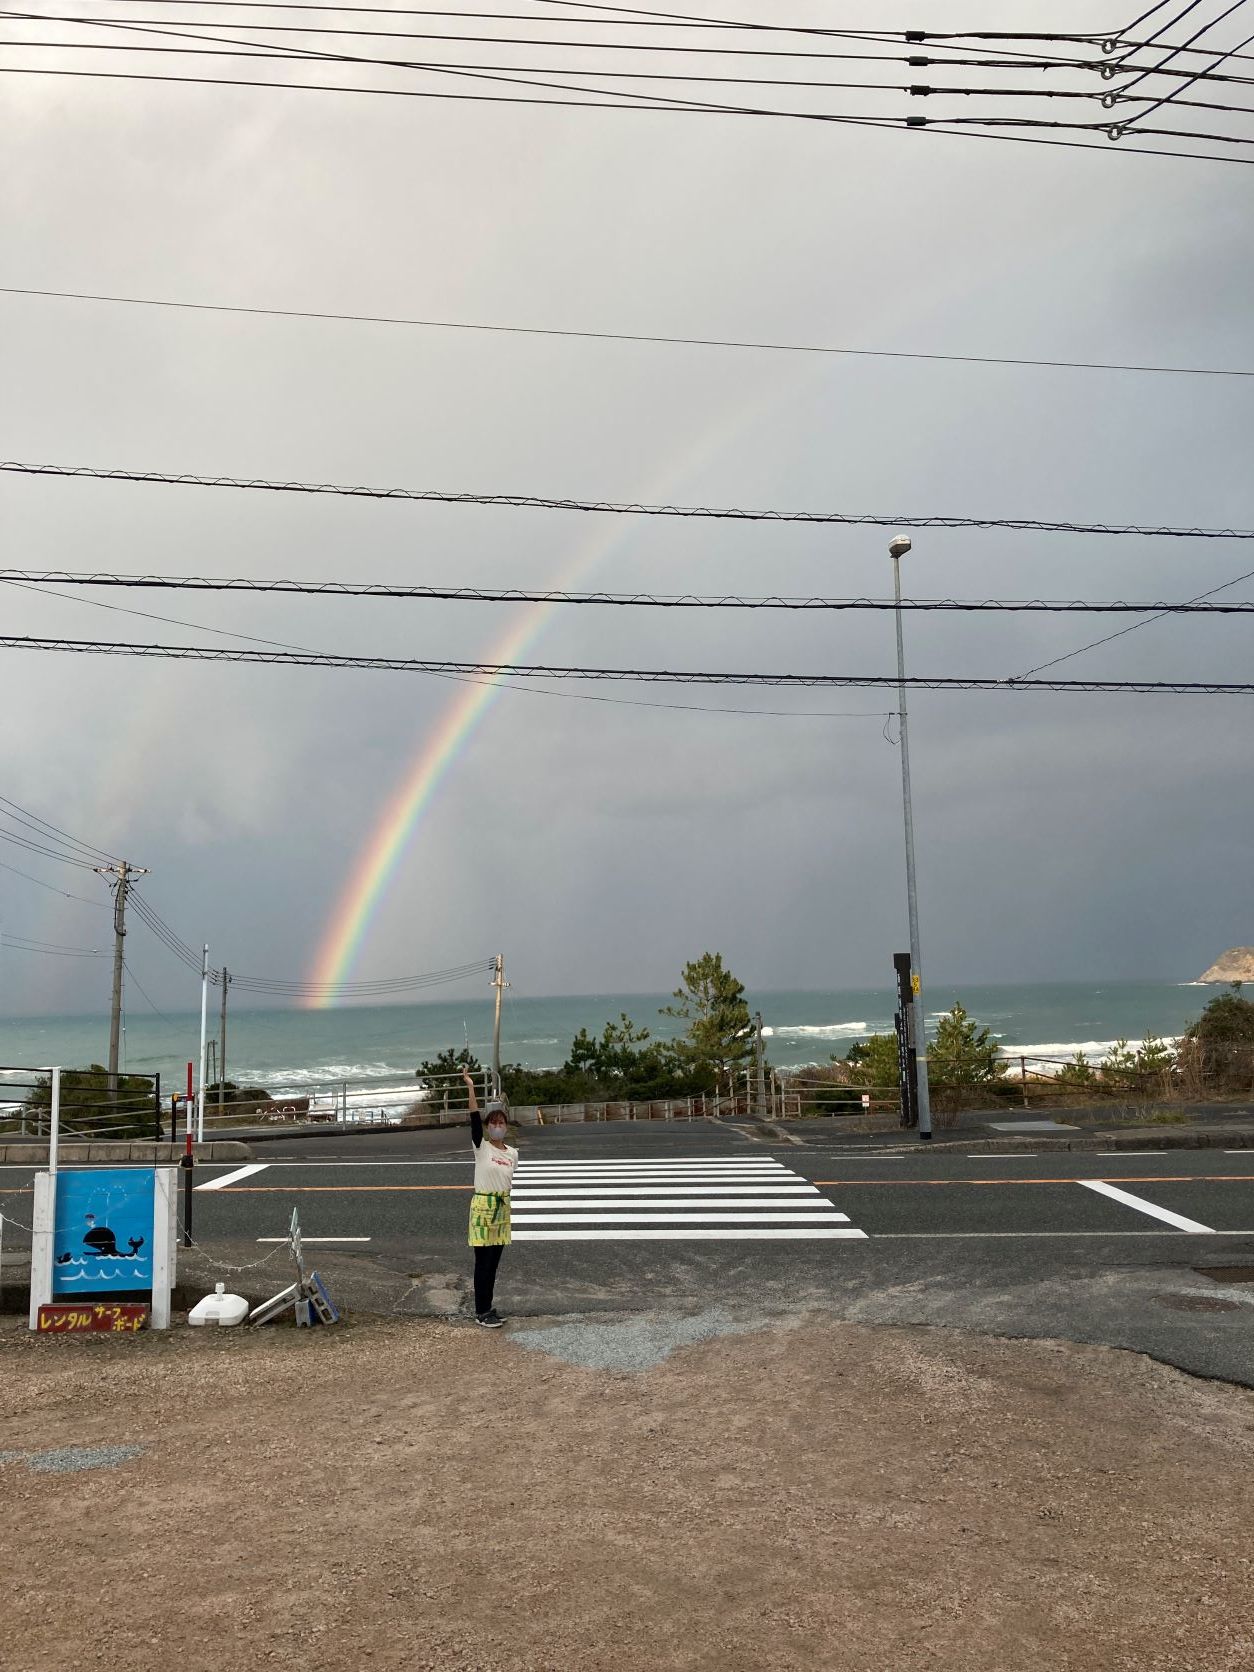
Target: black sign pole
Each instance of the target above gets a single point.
(907, 1055)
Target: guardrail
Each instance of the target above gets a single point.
(91, 1106)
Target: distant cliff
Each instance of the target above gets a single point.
(1236, 965)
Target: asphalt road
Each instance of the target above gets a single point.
(1137, 1250)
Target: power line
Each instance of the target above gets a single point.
(672, 22)
(34, 580)
(48, 853)
(684, 18)
(163, 931)
(1136, 625)
(654, 48)
(530, 691)
(52, 889)
(30, 819)
(10, 944)
(130, 972)
(687, 77)
(647, 676)
(24, 943)
(1138, 117)
(622, 336)
(533, 502)
(683, 108)
(912, 60)
(1185, 47)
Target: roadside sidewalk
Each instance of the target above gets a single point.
(995, 1132)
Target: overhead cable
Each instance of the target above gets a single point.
(646, 676)
(459, 679)
(47, 852)
(1194, 603)
(43, 827)
(912, 59)
(10, 944)
(53, 889)
(1176, 52)
(1138, 117)
(672, 107)
(532, 502)
(35, 579)
(624, 336)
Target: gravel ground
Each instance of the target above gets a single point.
(426, 1497)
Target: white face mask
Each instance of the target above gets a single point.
(496, 1131)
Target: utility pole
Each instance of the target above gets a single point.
(226, 981)
(499, 982)
(120, 876)
(759, 1063)
(204, 1008)
(897, 549)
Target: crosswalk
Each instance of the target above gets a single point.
(681, 1199)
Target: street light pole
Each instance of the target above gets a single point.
(204, 1015)
(897, 549)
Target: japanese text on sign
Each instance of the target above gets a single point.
(104, 1317)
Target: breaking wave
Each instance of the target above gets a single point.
(829, 1030)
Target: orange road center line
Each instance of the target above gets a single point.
(1103, 1178)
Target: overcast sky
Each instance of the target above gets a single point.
(599, 846)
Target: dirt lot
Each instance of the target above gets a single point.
(427, 1496)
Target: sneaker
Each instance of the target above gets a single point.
(489, 1320)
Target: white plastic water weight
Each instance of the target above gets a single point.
(219, 1308)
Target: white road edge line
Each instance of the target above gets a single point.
(306, 1241)
(782, 1233)
(1142, 1206)
(1018, 1155)
(920, 1236)
(1118, 1154)
(235, 1177)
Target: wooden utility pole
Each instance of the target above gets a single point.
(120, 876)
(226, 981)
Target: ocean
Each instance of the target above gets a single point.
(377, 1048)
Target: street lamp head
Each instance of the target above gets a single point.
(899, 545)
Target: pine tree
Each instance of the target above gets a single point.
(711, 1001)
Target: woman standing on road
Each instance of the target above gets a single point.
(495, 1161)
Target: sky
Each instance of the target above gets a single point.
(601, 845)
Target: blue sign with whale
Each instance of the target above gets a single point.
(102, 1240)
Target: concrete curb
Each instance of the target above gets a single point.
(423, 1123)
(121, 1152)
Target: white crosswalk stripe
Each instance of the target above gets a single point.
(678, 1199)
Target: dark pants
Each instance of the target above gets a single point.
(486, 1262)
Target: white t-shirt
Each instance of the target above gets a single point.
(494, 1168)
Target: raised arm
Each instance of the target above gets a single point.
(476, 1125)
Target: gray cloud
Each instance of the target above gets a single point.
(601, 845)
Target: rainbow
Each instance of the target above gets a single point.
(384, 850)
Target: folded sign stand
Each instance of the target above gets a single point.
(308, 1295)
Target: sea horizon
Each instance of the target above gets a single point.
(379, 1047)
